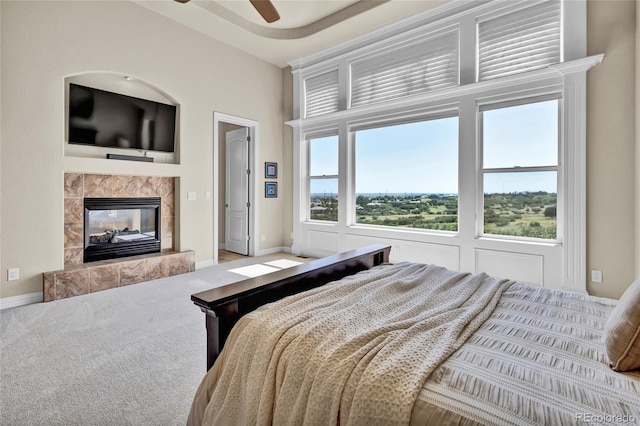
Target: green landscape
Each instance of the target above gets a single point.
(524, 214)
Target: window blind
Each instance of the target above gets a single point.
(425, 66)
(520, 41)
(321, 94)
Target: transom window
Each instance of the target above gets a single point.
(523, 40)
(518, 37)
(419, 68)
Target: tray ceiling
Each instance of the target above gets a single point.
(305, 27)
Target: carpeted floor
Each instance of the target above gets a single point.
(127, 356)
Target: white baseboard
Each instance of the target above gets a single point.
(209, 262)
(21, 300)
(273, 250)
(204, 264)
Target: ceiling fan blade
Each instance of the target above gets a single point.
(266, 9)
(182, 1)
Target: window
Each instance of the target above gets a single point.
(323, 178)
(520, 41)
(425, 66)
(406, 175)
(520, 145)
(505, 193)
(321, 94)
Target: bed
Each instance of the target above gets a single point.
(352, 339)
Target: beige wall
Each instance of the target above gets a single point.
(287, 166)
(611, 146)
(637, 138)
(41, 44)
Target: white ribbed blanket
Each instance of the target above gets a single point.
(354, 352)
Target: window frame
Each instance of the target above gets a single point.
(317, 73)
(397, 48)
(559, 264)
(506, 102)
(516, 8)
(430, 114)
(308, 137)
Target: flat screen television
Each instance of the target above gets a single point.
(101, 118)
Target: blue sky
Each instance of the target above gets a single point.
(415, 158)
(423, 157)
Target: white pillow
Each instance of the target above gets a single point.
(621, 335)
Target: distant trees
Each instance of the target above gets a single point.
(550, 211)
(525, 214)
(521, 214)
(434, 211)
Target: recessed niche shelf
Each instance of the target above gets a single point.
(119, 167)
(120, 84)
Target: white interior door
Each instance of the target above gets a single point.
(237, 192)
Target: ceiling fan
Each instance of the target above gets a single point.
(264, 7)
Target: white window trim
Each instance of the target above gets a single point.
(568, 77)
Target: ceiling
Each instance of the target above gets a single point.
(305, 26)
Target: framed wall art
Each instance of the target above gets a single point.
(271, 189)
(271, 170)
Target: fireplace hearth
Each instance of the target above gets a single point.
(121, 227)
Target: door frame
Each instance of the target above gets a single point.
(254, 134)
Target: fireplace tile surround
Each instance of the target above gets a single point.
(79, 278)
(77, 186)
(106, 274)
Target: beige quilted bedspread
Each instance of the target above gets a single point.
(354, 353)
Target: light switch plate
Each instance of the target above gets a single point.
(596, 276)
(13, 274)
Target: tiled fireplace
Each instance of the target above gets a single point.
(78, 186)
(82, 275)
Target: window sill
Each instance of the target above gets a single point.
(405, 231)
(515, 240)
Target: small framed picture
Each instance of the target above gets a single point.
(271, 170)
(271, 189)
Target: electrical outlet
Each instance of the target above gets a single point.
(596, 276)
(13, 274)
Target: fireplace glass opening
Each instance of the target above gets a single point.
(119, 227)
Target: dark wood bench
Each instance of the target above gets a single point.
(223, 306)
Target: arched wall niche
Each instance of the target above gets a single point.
(125, 84)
